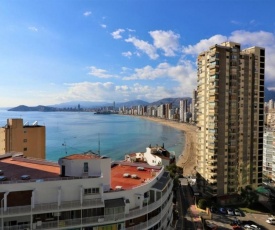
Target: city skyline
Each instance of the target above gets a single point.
(52, 52)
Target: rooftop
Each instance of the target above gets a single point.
(13, 169)
(124, 175)
(127, 176)
(84, 156)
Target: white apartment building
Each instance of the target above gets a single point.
(83, 192)
(269, 154)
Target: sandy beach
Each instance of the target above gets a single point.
(187, 159)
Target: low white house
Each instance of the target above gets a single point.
(155, 156)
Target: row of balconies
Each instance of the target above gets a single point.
(106, 218)
(65, 205)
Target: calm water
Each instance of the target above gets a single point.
(73, 132)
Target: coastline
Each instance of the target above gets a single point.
(187, 159)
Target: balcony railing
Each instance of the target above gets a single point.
(106, 218)
(42, 208)
(52, 207)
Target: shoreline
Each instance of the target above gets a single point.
(187, 158)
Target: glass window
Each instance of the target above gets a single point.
(86, 167)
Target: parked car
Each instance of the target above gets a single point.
(271, 220)
(253, 226)
(2, 178)
(230, 211)
(222, 211)
(237, 212)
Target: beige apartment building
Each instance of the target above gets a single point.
(230, 118)
(27, 139)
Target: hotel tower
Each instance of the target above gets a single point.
(230, 118)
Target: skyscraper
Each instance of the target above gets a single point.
(230, 118)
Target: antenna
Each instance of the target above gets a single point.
(99, 144)
(65, 146)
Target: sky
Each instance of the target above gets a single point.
(55, 51)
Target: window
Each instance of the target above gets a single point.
(95, 190)
(86, 167)
(25, 140)
(89, 191)
(25, 149)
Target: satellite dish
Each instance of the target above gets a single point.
(35, 123)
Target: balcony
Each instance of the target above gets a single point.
(42, 208)
(53, 207)
(107, 219)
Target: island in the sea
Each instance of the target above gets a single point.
(40, 108)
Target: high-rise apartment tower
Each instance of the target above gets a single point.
(230, 118)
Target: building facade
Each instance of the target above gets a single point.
(230, 118)
(84, 192)
(269, 154)
(27, 139)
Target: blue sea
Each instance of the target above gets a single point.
(111, 135)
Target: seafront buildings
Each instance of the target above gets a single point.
(84, 191)
(29, 139)
(230, 118)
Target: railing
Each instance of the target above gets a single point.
(46, 179)
(89, 220)
(67, 205)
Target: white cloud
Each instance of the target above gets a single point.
(127, 54)
(87, 13)
(103, 26)
(258, 38)
(184, 73)
(101, 73)
(33, 28)
(108, 91)
(144, 46)
(131, 30)
(92, 91)
(246, 39)
(236, 22)
(204, 44)
(168, 41)
(117, 34)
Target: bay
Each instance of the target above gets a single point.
(111, 135)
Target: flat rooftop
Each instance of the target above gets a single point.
(124, 175)
(13, 169)
(127, 176)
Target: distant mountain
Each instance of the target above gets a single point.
(131, 103)
(174, 101)
(83, 104)
(73, 105)
(39, 108)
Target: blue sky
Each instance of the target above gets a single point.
(54, 51)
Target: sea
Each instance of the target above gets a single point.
(109, 135)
